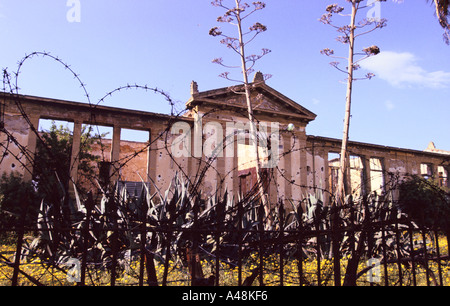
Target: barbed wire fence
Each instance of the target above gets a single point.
(175, 236)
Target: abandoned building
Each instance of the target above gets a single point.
(303, 163)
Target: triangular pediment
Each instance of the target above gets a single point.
(265, 100)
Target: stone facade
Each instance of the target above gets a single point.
(303, 163)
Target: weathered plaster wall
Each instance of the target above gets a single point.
(13, 160)
(302, 167)
(374, 165)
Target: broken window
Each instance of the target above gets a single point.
(333, 166)
(443, 176)
(53, 152)
(46, 125)
(247, 164)
(96, 139)
(100, 140)
(133, 159)
(376, 175)
(426, 170)
(248, 181)
(356, 175)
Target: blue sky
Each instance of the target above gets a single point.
(165, 44)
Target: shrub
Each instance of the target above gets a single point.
(52, 162)
(425, 202)
(19, 203)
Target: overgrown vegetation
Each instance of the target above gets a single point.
(313, 272)
(178, 229)
(178, 236)
(53, 159)
(425, 202)
(175, 230)
(19, 204)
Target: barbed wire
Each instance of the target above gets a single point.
(204, 164)
(197, 175)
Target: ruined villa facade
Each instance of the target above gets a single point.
(304, 163)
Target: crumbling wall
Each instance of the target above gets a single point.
(13, 158)
(373, 168)
(303, 164)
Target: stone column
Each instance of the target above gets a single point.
(235, 162)
(299, 164)
(435, 171)
(152, 153)
(294, 148)
(273, 163)
(326, 178)
(225, 164)
(231, 157)
(115, 155)
(365, 184)
(387, 174)
(75, 158)
(303, 164)
(31, 148)
(285, 182)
